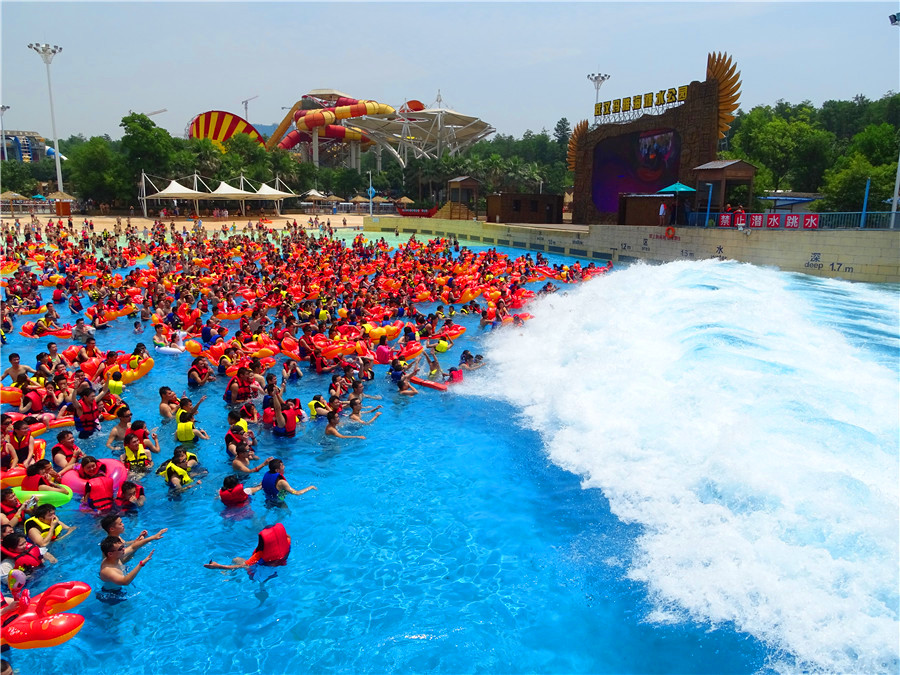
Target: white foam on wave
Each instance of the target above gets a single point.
(754, 444)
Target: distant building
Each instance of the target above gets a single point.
(24, 146)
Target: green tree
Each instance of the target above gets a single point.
(562, 132)
(877, 143)
(244, 155)
(347, 182)
(146, 147)
(98, 172)
(814, 153)
(845, 184)
(17, 178)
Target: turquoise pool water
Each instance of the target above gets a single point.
(687, 468)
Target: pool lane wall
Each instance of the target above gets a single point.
(856, 255)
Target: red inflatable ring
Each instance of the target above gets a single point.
(670, 233)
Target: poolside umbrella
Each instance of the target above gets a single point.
(315, 196)
(334, 198)
(61, 196)
(10, 196)
(41, 197)
(379, 200)
(676, 188)
(359, 199)
(404, 200)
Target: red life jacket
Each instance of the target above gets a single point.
(274, 545)
(10, 511)
(126, 504)
(87, 420)
(101, 471)
(244, 391)
(142, 434)
(33, 483)
(37, 401)
(30, 557)
(98, 493)
(231, 439)
(59, 447)
(235, 496)
(20, 443)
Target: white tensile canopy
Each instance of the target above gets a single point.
(175, 190)
(267, 192)
(226, 191)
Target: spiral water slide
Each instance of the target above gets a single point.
(324, 120)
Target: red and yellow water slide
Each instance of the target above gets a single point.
(307, 120)
(219, 126)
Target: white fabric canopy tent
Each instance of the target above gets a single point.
(224, 192)
(175, 190)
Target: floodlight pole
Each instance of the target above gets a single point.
(370, 193)
(598, 79)
(3, 109)
(46, 52)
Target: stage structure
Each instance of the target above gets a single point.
(646, 141)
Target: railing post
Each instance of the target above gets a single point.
(862, 218)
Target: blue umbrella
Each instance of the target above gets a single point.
(38, 197)
(676, 188)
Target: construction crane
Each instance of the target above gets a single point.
(245, 102)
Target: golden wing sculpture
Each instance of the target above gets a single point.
(574, 140)
(719, 67)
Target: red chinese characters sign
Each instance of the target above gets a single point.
(811, 221)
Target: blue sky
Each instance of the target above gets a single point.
(516, 65)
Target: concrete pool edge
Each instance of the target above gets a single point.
(855, 255)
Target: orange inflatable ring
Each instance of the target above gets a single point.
(670, 233)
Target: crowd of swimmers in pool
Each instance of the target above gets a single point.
(314, 285)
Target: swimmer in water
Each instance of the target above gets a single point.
(331, 429)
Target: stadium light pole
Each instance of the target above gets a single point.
(3, 109)
(598, 79)
(370, 193)
(895, 21)
(47, 52)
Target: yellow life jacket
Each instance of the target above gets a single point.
(242, 423)
(185, 431)
(442, 346)
(180, 473)
(42, 526)
(312, 407)
(139, 459)
(179, 413)
(115, 387)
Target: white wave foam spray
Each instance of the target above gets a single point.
(755, 444)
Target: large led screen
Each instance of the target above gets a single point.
(641, 162)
